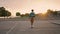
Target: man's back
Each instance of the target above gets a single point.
(32, 14)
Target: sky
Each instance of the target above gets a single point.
(25, 6)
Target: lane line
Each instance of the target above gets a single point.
(12, 28)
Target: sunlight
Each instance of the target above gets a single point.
(43, 12)
(39, 6)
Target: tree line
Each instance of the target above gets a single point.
(48, 13)
(6, 13)
(52, 13)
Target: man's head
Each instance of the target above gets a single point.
(32, 10)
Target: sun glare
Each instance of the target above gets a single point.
(39, 6)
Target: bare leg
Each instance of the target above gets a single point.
(32, 20)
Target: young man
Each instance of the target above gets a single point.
(32, 15)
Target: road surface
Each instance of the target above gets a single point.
(23, 27)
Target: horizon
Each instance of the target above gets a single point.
(25, 6)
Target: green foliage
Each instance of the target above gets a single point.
(8, 13)
(51, 12)
(27, 14)
(17, 14)
(4, 12)
(22, 15)
(55, 13)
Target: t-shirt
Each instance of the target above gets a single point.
(32, 14)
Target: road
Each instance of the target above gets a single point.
(23, 27)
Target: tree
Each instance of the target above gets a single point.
(4, 12)
(26, 14)
(8, 13)
(17, 14)
(55, 13)
(22, 15)
(50, 12)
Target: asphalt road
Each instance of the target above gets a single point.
(23, 27)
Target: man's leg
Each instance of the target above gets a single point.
(32, 20)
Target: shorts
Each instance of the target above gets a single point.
(32, 20)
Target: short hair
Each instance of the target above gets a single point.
(32, 10)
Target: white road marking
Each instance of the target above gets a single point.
(12, 28)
